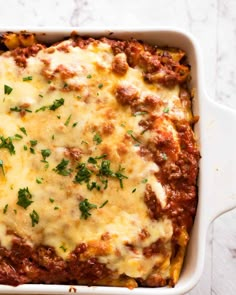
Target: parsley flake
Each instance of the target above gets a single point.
(6, 143)
(34, 218)
(85, 207)
(97, 138)
(7, 89)
(33, 142)
(89, 76)
(18, 110)
(24, 197)
(28, 78)
(45, 154)
(23, 130)
(1, 167)
(130, 132)
(67, 121)
(56, 104)
(17, 137)
(39, 180)
(103, 204)
(63, 248)
(166, 110)
(120, 176)
(43, 108)
(5, 209)
(100, 86)
(83, 174)
(62, 168)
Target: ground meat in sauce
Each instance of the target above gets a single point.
(23, 264)
(126, 94)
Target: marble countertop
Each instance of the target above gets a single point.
(213, 23)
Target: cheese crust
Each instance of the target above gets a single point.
(98, 162)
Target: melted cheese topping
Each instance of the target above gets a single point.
(83, 78)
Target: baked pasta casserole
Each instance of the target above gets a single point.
(98, 162)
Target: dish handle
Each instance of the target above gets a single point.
(218, 147)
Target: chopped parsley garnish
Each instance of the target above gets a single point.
(17, 109)
(166, 110)
(56, 104)
(97, 138)
(43, 108)
(145, 180)
(33, 142)
(134, 190)
(45, 154)
(56, 208)
(62, 168)
(6, 143)
(100, 86)
(85, 207)
(28, 78)
(89, 76)
(51, 200)
(67, 121)
(7, 89)
(63, 248)
(105, 168)
(39, 180)
(164, 156)
(92, 160)
(32, 150)
(120, 176)
(34, 218)
(84, 142)
(40, 95)
(74, 124)
(103, 204)
(1, 167)
(23, 130)
(83, 174)
(130, 132)
(24, 197)
(5, 209)
(17, 137)
(93, 185)
(25, 148)
(79, 96)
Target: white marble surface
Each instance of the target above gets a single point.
(213, 22)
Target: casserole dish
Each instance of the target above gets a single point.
(212, 169)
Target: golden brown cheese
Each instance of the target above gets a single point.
(88, 111)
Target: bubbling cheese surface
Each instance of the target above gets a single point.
(90, 123)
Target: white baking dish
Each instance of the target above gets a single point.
(217, 188)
